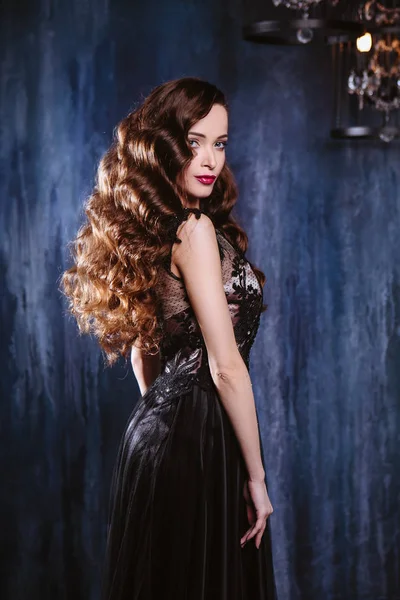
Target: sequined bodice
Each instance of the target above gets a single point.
(183, 352)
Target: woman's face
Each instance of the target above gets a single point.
(208, 138)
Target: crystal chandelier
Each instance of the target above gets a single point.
(304, 34)
(373, 76)
(380, 14)
(303, 21)
(298, 4)
(379, 81)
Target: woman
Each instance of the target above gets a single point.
(160, 274)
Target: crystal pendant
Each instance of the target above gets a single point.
(304, 35)
(352, 81)
(364, 81)
(387, 133)
(358, 82)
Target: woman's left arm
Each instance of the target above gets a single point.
(146, 367)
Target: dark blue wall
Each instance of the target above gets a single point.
(323, 220)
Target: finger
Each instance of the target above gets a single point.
(243, 539)
(251, 532)
(245, 536)
(257, 527)
(259, 537)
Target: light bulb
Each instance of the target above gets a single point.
(364, 43)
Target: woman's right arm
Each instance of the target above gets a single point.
(199, 263)
(146, 367)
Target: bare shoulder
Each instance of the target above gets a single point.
(198, 243)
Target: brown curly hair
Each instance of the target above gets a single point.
(118, 252)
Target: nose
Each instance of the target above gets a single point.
(209, 159)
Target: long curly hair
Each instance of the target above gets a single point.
(118, 251)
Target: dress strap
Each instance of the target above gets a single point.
(174, 222)
(178, 218)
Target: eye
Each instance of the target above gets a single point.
(224, 145)
(191, 141)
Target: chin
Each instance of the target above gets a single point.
(203, 192)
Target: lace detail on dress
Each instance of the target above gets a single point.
(184, 358)
(179, 218)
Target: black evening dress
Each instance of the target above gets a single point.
(177, 510)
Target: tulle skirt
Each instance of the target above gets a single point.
(177, 511)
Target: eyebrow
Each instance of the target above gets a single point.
(203, 136)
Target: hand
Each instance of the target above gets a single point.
(259, 507)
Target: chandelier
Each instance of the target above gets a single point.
(302, 21)
(368, 70)
(379, 13)
(379, 81)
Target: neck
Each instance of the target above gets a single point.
(195, 203)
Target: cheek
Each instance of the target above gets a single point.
(187, 177)
(189, 168)
(193, 168)
(221, 163)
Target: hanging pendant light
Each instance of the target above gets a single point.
(302, 21)
(367, 76)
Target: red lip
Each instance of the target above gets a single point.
(206, 179)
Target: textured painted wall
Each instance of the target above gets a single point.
(323, 219)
